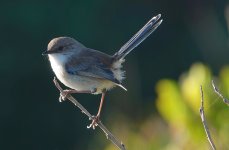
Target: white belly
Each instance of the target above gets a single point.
(76, 82)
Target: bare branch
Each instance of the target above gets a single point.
(226, 101)
(204, 120)
(108, 134)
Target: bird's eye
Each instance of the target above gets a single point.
(60, 48)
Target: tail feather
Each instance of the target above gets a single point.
(140, 36)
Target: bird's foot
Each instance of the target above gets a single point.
(64, 95)
(94, 123)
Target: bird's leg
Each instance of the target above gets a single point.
(64, 93)
(95, 120)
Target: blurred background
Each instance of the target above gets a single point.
(160, 109)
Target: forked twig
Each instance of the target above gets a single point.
(202, 115)
(226, 101)
(108, 134)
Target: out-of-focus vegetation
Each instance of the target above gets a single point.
(180, 126)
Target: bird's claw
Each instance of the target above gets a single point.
(63, 95)
(94, 123)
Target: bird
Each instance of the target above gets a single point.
(85, 70)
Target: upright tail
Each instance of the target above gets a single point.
(140, 36)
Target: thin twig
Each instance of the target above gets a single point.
(226, 101)
(108, 134)
(204, 120)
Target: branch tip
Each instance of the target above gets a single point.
(216, 90)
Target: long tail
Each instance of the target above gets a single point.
(140, 36)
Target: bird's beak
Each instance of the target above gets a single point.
(46, 52)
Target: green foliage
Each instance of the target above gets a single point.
(179, 126)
